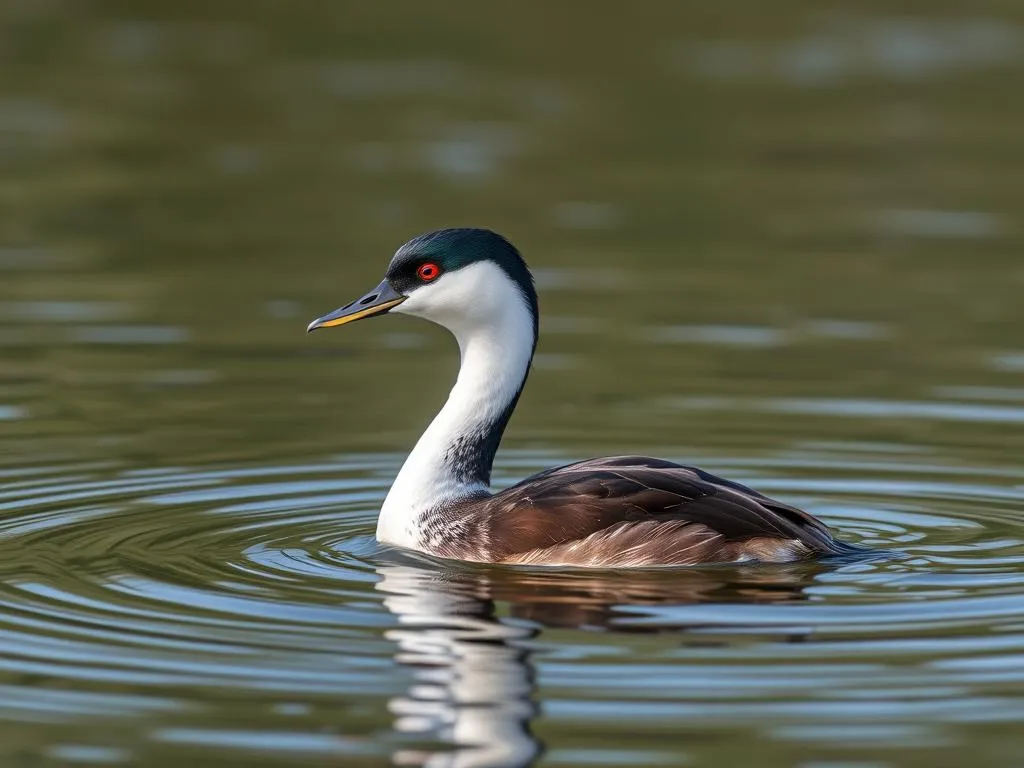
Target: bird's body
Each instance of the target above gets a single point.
(623, 511)
(606, 512)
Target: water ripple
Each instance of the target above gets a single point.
(150, 596)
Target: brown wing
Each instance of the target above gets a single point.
(634, 510)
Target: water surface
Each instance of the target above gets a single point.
(781, 243)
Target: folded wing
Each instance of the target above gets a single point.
(635, 510)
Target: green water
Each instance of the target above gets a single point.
(781, 241)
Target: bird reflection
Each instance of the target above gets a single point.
(473, 681)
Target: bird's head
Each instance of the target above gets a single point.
(462, 279)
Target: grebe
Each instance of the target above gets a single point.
(621, 511)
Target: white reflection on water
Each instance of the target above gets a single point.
(88, 754)
(1004, 394)
(859, 407)
(937, 411)
(472, 683)
(766, 337)
(34, 258)
(849, 330)
(1008, 361)
(728, 335)
(936, 223)
(846, 46)
(130, 334)
(12, 413)
(473, 151)
(63, 311)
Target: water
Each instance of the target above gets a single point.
(782, 244)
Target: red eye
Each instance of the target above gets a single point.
(428, 272)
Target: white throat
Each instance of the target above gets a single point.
(491, 320)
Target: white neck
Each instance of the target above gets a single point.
(490, 319)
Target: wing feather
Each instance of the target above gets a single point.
(630, 510)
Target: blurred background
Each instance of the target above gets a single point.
(723, 201)
(760, 231)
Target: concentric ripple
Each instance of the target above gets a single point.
(144, 613)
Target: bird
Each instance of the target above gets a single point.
(608, 512)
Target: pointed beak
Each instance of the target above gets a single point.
(378, 301)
